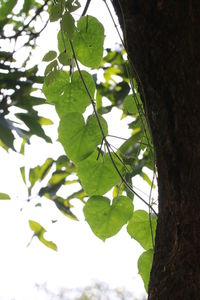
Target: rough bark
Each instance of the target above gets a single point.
(163, 39)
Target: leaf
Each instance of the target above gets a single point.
(147, 179)
(72, 5)
(32, 121)
(104, 219)
(56, 12)
(68, 25)
(50, 68)
(57, 177)
(144, 266)
(139, 228)
(69, 96)
(129, 105)
(88, 41)
(79, 139)
(129, 150)
(40, 172)
(65, 207)
(39, 231)
(44, 121)
(22, 170)
(6, 8)
(98, 176)
(4, 196)
(6, 134)
(65, 59)
(49, 56)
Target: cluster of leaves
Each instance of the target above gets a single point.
(72, 91)
(18, 116)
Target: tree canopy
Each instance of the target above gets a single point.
(83, 101)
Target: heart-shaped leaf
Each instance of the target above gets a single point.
(104, 219)
(139, 228)
(79, 139)
(69, 96)
(98, 176)
(87, 42)
(144, 266)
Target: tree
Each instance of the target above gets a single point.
(162, 74)
(162, 39)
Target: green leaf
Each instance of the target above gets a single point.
(6, 8)
(130, 105)
(65, 59)
(58, 176)
(50, 56)
(147, 179)
(65, 207)
(72, 5)
(22, 170)
(139, 228)
(88, 41)
(39, 231)
(98, 176)
(104, 219)
(64, 44)
(6, 134)
(44, 121)
(69, 96)
(50, 68)
(68, 25)
(144, 266)
(56, 12)
(40, 172)
(4, 196)
(129, 150)
(32, 121)
(79, 139)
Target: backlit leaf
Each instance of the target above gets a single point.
(139, 228)
(68, 25)
(69, 96)
(39, 172)
(105, 219)
(130, 105)
(50, 56)
(56, 12)
(6, 8)
(4, 196)
(88, 41)
(98, 176)
(39, 231)
(64, 59)
(79, 139)
(144, 266)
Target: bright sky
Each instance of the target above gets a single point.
(81, 256)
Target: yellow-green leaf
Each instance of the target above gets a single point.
(79, 139)
(4, 196)
(106, 219)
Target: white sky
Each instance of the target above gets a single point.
(81, 256)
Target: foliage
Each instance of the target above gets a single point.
(97, 166)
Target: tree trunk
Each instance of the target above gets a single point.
(163, 39)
